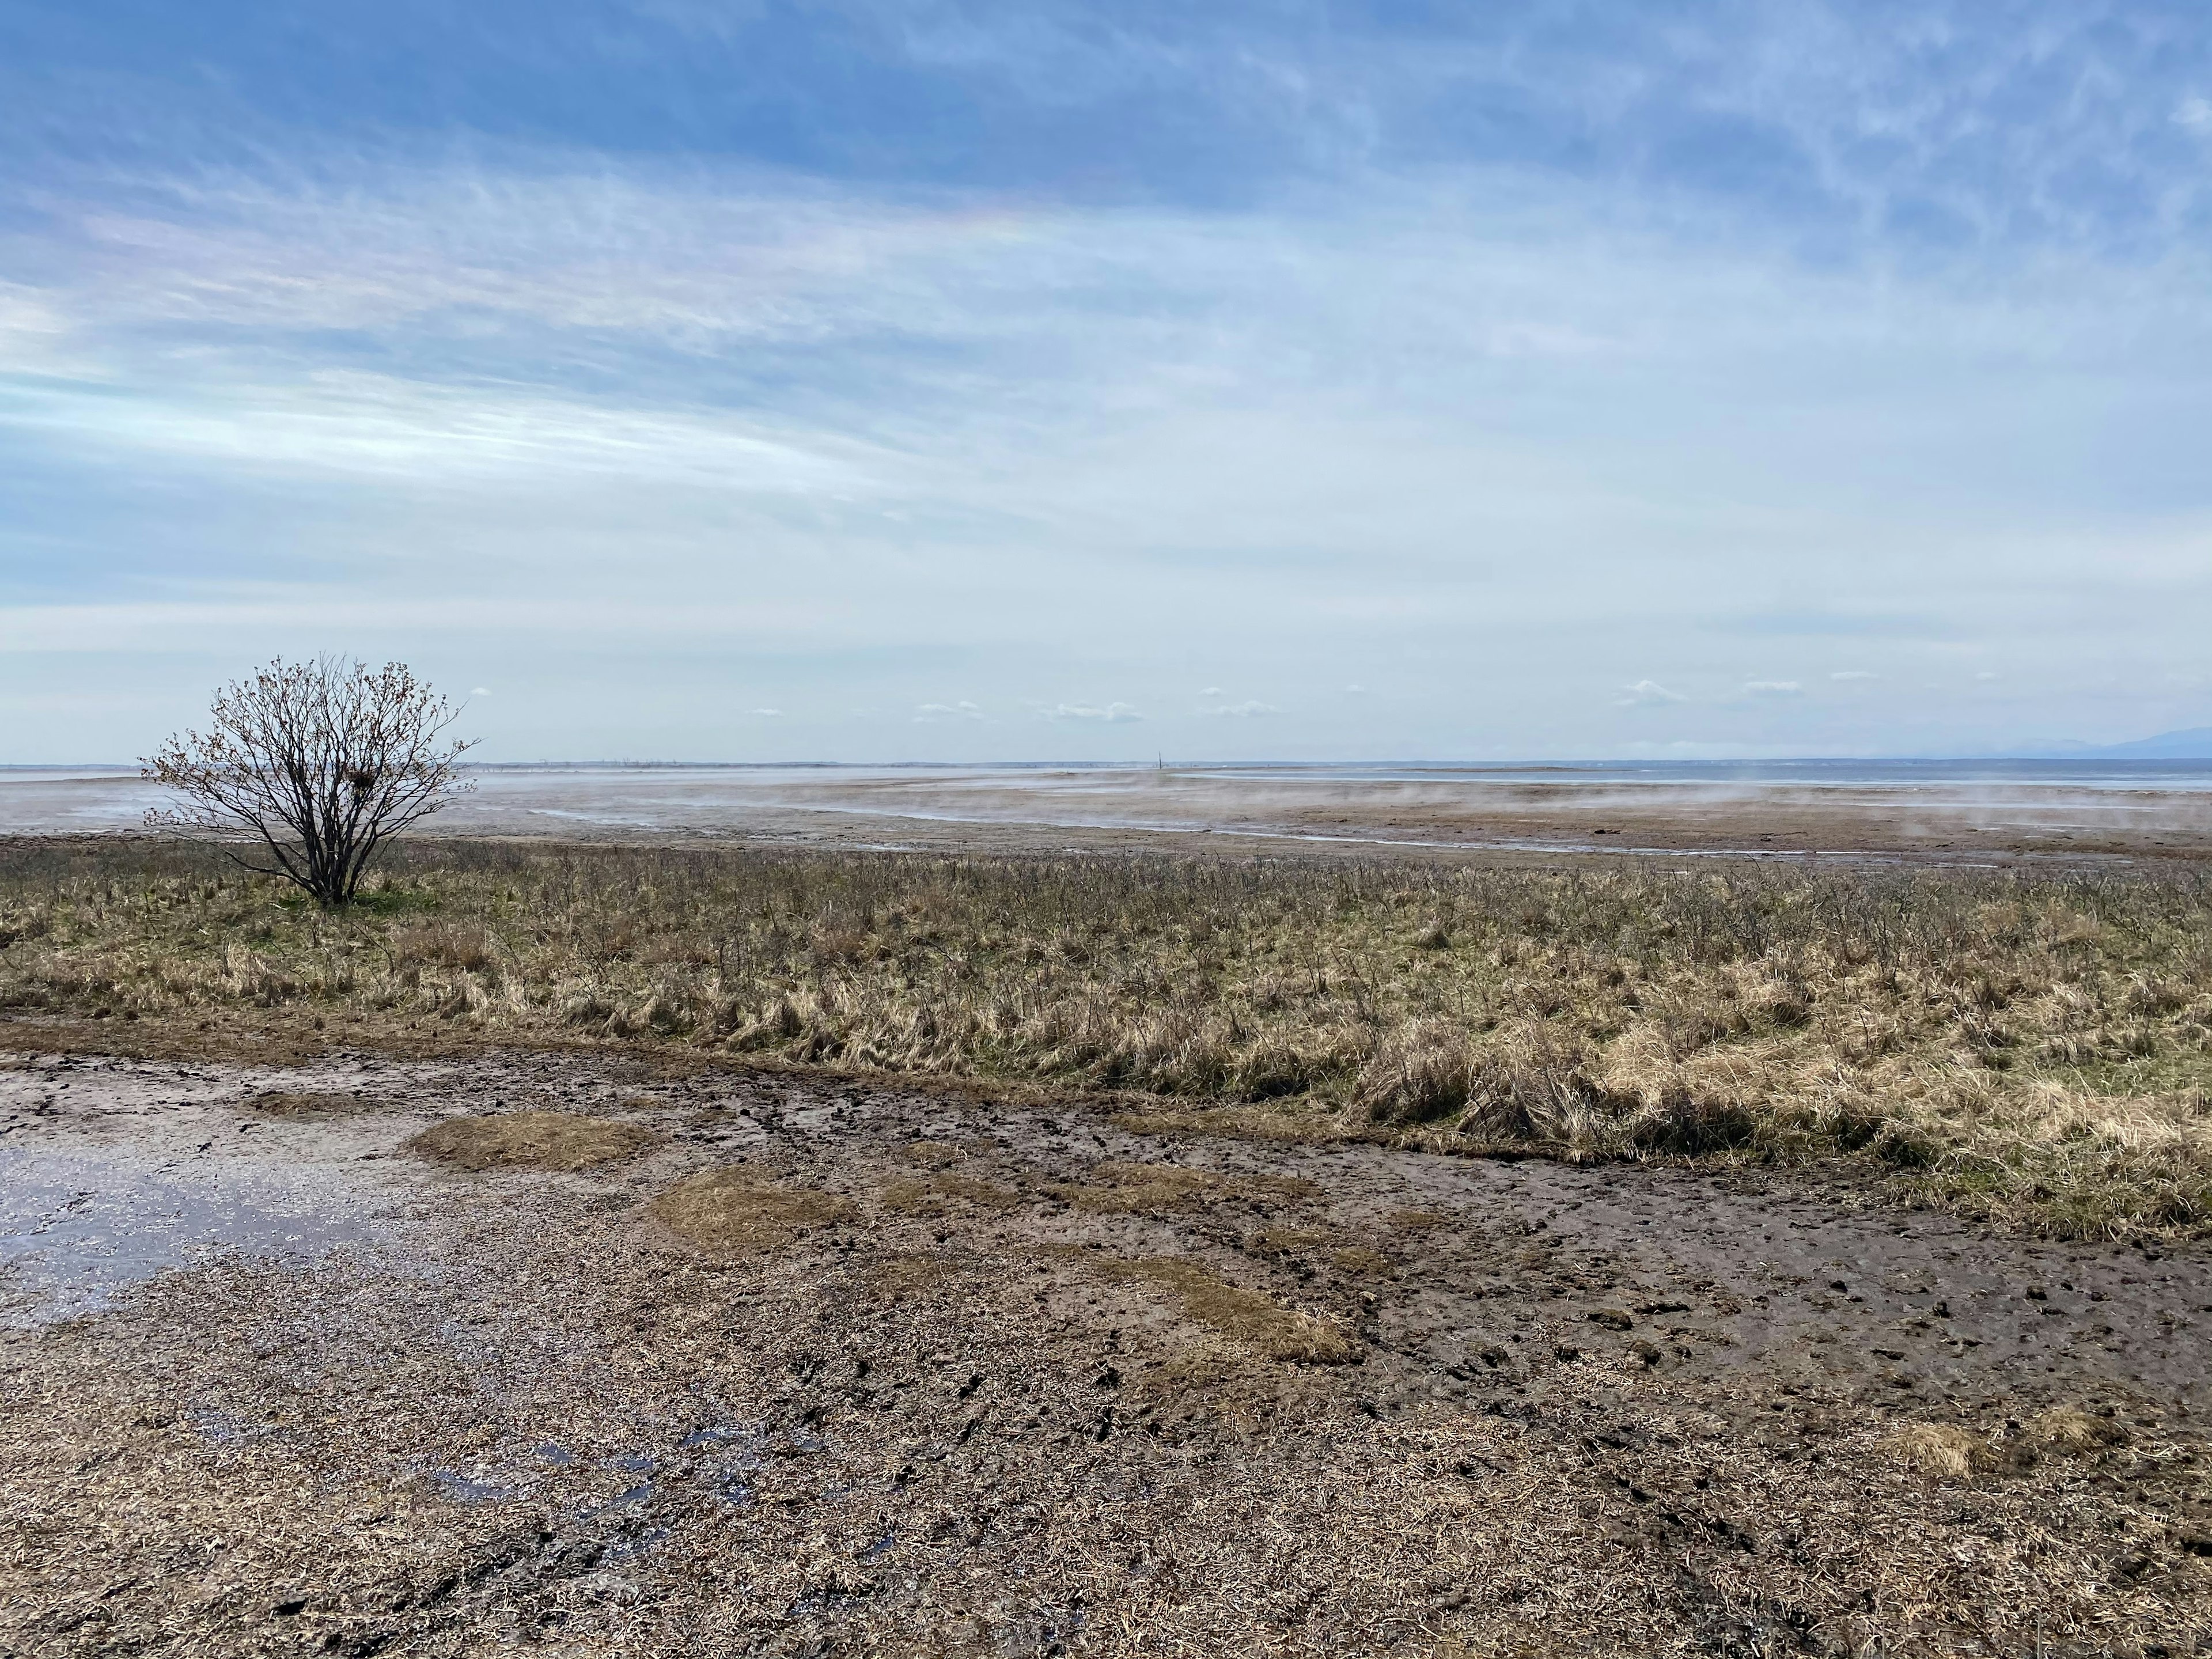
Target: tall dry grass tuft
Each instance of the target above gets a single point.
(2035, 1046)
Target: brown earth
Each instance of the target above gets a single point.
(826, 1368)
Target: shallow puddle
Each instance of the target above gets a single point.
(77, 1229)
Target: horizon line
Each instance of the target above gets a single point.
(1157, 764)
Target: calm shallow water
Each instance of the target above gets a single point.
(78, 1227)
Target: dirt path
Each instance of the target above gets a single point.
(971, 1380)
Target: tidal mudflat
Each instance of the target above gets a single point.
(1934, 812)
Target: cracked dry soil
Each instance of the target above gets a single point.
(990, 1381)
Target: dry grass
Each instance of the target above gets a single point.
(538, 1140)
(284, 1104)
(1139, 1189)
(1357, 1259)
(944, 1193)
(1946, 1451)
(2036, 1048)
(1258, 1321)
(730, 1211)
(1940, 1450)
(911, 1274)
(2069, 1432)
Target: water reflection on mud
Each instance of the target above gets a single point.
(77, 1229)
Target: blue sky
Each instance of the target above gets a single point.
(866, 381)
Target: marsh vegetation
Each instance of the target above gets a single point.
(2034, 1047)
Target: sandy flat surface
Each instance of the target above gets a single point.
(1922, 815)
(275, 1383)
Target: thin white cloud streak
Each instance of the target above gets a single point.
(1430, 434)
(44, 628)
(379, 247)
(1112, 714)
(379, 425)
(1489, 267)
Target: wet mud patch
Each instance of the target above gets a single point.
(731, 1210)
(1154, 1190)
(1248, 1316)
(1296, 1246)
(540, 1141)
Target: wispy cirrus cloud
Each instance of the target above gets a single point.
(1111, 713)
(1171, 338)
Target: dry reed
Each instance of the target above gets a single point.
(2036, 1047)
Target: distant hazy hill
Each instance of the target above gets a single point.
(2195, 744)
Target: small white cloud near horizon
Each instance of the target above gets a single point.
(1988, 674)
(1211, 691)
(2196, 114)
(1647, 694)
(1772, 689)
(1853, 674)
(1114, 714)
(1246, 710)
(963, 710)
(767, 714)
(1355, 691)
(480, 691)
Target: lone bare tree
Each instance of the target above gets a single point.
(321, 763)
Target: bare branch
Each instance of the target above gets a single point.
(319, 762)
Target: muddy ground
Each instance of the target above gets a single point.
(975, 1379)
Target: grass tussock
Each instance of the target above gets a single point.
(287, 1103)
(2033, 1046)
(1950, 1452)
(1258, 1321)
(730, 1211)
(537, 1141)
(1942, 1451)
(945, 1194)
(1138, 1189)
